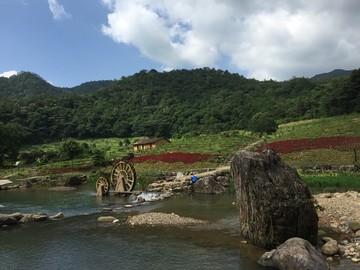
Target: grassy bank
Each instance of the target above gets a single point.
(223, 145)
(332, 182)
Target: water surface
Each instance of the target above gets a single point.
(78, 241)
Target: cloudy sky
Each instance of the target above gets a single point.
(68, 42)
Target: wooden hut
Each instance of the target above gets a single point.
(149, 143)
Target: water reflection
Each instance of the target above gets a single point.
(79, 242)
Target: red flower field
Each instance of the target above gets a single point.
(289, 146)
(171, 157)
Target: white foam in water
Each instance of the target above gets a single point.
(148, 196)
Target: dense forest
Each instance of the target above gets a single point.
(151, 103)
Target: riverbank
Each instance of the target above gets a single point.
(339, 215)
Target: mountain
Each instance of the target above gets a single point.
(90, 87)
(168, 104)
(332, 74)
(28, 84)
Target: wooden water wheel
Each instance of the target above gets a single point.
(123, 177)
(102, 186)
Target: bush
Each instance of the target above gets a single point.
(262, 123)
(70, 149)
(38, 156)
(98, 159)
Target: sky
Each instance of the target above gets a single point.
(69, 42)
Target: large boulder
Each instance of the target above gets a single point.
(208, 185)
(274, 204)
(75, 180)
(296, 254)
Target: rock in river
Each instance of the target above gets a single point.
(274, 204)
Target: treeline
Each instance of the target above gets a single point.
(175, 103)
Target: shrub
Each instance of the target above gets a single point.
(70, 149)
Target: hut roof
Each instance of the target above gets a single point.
(150, 141)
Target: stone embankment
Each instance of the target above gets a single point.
(6, 184)
(210, 182)
(340, 212)
(20, 218)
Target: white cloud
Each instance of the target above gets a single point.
(8, 74)
(57, 10)
(275, 40)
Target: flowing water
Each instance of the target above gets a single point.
(78, 242)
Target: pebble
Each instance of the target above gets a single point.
(106, 219)
(341, 213)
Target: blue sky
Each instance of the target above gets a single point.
(68, 42)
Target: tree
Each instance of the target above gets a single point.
(98, 159)
(70, 148)
(262, 123)
(11, 138)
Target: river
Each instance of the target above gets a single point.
(78, 241)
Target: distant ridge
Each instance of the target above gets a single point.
(29, 84)
(332, 74)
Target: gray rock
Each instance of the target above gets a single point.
(27, 218)
(75, 180)
(223, 180)
(330, 247)
(140, 200)
(40, 217)
(57, 216)
(274, 204)
(106, 219)
(354, 226)
(133, 198)
(17, 215)
(208, 185)
(7, 220)
(295, 254)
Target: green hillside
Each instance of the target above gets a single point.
(49, 159)
(343, 125)
(172, 104)
(175, 104)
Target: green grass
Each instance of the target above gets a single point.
(225, 143)
(345, 125)
(330, 182)
(319, 157)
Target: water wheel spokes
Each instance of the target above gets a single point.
(125, 172)
(102, 186)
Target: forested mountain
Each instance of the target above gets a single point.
(89, 87)
(332, 74)
(28, 84)
(174, 103)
